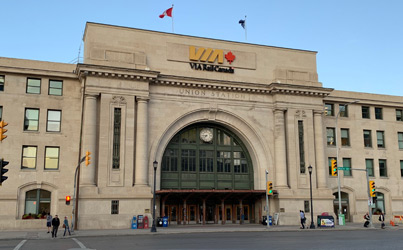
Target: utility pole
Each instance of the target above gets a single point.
(267, 202)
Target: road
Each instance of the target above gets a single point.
(309, 239)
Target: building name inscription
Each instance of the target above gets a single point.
(212, 93)
(208, 67)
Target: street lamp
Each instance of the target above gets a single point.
(155, 165)
(337, 158)
(312, 226)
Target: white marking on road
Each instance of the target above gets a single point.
(79, 243)
(20, 245)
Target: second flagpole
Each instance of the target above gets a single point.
(173, 19)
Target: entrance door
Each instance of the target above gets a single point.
(344, 205)
(245, 212)
(191, 214)
(173, 213)
(228, 213)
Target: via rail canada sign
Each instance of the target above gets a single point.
(202, 56)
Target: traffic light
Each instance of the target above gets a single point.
(87, 158)
(3, 163)
(68, 198)
(269, 188)
(333, 165)
(372, 189)
(3, 130)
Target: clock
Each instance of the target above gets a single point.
(206, 135)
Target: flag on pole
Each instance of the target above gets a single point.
(168, 12)
(242, 23)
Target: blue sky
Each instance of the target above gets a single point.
(359, 42)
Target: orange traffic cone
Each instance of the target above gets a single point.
(392, 223)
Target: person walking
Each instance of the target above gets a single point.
(366, 217)
(66, 226)
(302, 216)
(55, 224)
(49, 221)
(382, 220)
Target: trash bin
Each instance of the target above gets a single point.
(159, 222)
(270, 220)
(165, 221)
(134, 222)
(264, 220)
(325, 221)
(342, 220)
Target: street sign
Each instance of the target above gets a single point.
(344, 168)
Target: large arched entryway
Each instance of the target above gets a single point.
(344, 205)
(207, 177)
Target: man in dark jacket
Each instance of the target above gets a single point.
(55, 224)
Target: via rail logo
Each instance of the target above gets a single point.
(208, 55)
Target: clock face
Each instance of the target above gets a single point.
(206, 135)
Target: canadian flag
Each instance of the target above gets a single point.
(168, 12)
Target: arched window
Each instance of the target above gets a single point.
(37, 201)
(206, 156)
(379, 202)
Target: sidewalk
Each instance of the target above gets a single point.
(35, 234)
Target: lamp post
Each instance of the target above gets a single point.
(155, 165)
(312, 226)
(337, 159)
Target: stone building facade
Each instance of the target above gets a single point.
(215, 116)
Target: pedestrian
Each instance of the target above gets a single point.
(49, 221)
(55, 224)
(366, 217)
(382, 220)
(302, 216)
(66, 226)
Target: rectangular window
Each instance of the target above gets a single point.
(399, 114)
(52, 158)
(329, 109)
(401, 168)
(55, 87)
(343, 109)
(240, 163)
(33, 86)
(306, 207)
(367, 139)
(330, 137)
(378, 114)
(28, 157)
(117, 120)
(345, 137)
(382, 168)
(347, 164)
(188, 160)
(115, 207)
(1, 83)
(170, 160)
(1, 113)
(369, 163)
(365, 112)
(54, 120)
(380, 139)
(329, 160)
(31, 121)
(223, 161)
(206, 161)
(301, 147)
(400, 139)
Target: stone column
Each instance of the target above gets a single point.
(321, 166)
(89, 139)
(280, 149)
(141, 171)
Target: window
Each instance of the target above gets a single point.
(329, 160)
(343, 110)
(37, 202)
(28, 157)
(345, 137)
(400, 139)
(330, 136)
(31, 122)
(206, 161)
(170, 160)
(378, 114)
(301, 147)
(223, 161)
(367, 139)
(52, 158)
(55, 87)
(33, 86)
(329, 109)
(382, 168)
(115, 207)
(1, 113)
(365, 112)
(347, 164)
(189, 160)
(306, 207)
(380, 139)
(1, 83)
(369, 163)
(116, 138)
(401, 168)
(399, 113)
(54, 120)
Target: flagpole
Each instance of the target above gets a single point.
(173, 19)
(246, 36)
